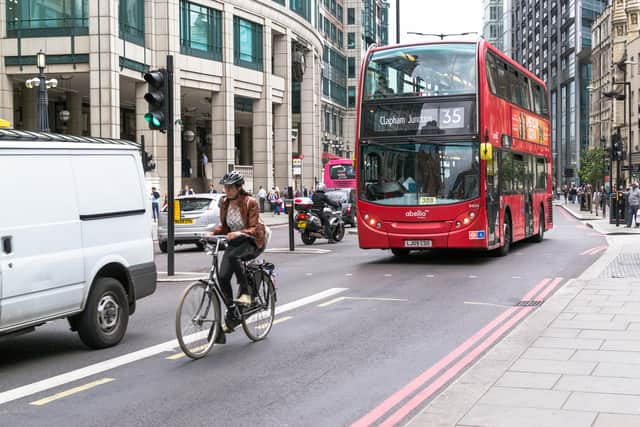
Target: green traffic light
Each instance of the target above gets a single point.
(152, 119)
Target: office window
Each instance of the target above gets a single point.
(351, 67)
(247, 44)
(334, 124)
(351, 96)
(37, 18)
(340, 39)
(351, 40)
(327, 121)
(301, 7)
(131, 20)
(340, 13)
(351, 16)
(200, 31)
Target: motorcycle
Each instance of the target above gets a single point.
(309, 224)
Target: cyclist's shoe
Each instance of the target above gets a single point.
(221, 338)
(231, 320)
(226, 329)
(244, 299)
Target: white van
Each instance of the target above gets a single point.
(75, 237)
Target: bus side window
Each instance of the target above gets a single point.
(541, 174)
(507, 171)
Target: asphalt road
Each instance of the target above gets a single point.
(327, 363)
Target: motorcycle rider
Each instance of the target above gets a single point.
(320, 200)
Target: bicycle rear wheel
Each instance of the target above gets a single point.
(198, 320)
(257, 320)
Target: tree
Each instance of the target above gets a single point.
(592, 166)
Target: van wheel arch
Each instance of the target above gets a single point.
(121, 274)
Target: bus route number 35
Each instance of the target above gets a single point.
(451, 118)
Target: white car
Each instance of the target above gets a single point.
(199, 213)
(84, 250)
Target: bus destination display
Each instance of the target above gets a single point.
(418, 119)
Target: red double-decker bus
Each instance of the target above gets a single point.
(453, 149)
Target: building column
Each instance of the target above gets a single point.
(75, 110)
(104, 75)
(29, 109)
(282, 149)
(222, 104)
(263, 120)
(309, 122)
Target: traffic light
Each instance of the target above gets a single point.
(148, 164)
(616, 147)
(158, 99)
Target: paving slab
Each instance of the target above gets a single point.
(499, 416)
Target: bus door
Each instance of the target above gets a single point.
(492, 175)
(528, 196)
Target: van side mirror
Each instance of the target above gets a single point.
(486, 151)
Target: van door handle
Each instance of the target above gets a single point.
(7, 247)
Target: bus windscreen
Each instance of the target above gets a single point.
(431, 70)
(419, 173)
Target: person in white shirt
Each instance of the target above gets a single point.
(262, 196)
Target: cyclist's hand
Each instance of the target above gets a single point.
(232, 235)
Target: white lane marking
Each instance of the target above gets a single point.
(71, 391)
(472, 276)
(487, 303)
(516, 277)
(388, 275)
(308, 274)
(430, 276)
(107, 365)
(335, 300)
(348, 274)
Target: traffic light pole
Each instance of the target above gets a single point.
(170, 177)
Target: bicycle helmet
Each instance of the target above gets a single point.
(232, 178)
(321, 187)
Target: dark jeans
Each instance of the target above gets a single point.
(261, 204)
(232, 264)
(325, 223)
(632, 214)
(156, 211)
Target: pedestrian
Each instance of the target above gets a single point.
(634, 205)
(185, 192)
(155, 204)
(212, 190)
(273, 201)
(191, 191)
(305, 192)
(565, 191)
(262, 196)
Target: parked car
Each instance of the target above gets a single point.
(346, 196)
(198, 214)
(86, 252)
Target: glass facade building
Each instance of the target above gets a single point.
(552, 38)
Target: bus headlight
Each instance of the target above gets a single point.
(466, 221)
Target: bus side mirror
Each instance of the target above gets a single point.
(486, 151)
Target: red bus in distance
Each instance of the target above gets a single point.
(339, 173)
(453, 149)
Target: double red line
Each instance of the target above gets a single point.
(467, 352)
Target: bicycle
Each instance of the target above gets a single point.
(199, 316)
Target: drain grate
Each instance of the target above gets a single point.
(623, 266)
(529, 303)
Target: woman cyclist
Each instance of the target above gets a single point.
(240, 221)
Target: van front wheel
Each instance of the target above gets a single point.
(106, 315)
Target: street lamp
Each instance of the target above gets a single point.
(42, 84)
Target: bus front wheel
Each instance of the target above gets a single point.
(504, 250)
(540, 236)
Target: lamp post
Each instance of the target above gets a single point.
(42, 84)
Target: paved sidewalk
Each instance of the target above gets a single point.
(575, 361)
(597, 222)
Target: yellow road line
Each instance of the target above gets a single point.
(71, 391)
(181, 354)
(333, 301)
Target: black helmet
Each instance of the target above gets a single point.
(232, 178)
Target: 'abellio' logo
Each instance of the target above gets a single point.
(416, 214)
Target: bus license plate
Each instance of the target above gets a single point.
(302, 224)
(183, 221)
(417, 243)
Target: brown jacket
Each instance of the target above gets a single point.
(250, 212)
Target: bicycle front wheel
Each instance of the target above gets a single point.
(198, 320)
(257, 320)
